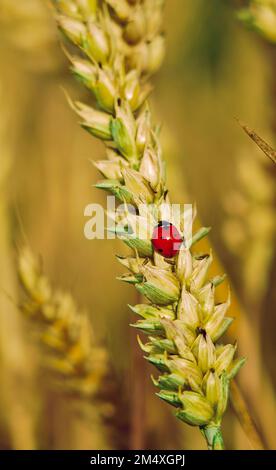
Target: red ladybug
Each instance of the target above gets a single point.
(166, 239)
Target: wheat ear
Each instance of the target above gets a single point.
(122, 44)
(73, 354)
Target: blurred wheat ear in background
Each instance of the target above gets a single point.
(79, 367)
(16, 382)
(63, 329)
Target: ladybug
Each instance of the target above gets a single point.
(166, 239)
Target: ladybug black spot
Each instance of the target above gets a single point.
(201, 331)
(160, 250)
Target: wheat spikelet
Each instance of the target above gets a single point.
(121, 44)
(260, 15)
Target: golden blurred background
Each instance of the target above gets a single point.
(215, 70)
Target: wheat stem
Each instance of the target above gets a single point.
(240, 407)
(213, 437)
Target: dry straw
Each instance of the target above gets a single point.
(120, 45)
(262, 144)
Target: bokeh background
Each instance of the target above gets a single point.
(215, 70)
